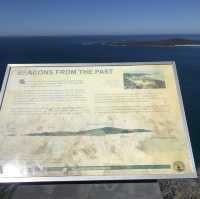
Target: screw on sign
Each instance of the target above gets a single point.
(179, 166)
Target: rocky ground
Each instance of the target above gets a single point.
(181, 188)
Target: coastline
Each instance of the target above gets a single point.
(159, 46)
(189, 45)
(153, 43)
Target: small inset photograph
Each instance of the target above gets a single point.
(147, 80)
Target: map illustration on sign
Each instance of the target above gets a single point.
(93, 132)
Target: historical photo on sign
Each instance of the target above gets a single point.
(93, 122)
(143, 80)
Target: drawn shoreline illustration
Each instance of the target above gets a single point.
(143, 80)
(92, 132)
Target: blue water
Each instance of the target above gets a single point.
(71, 49)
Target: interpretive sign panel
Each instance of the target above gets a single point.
(112, 121)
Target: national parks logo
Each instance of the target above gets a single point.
(178, 166)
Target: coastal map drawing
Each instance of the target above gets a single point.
(93, 132)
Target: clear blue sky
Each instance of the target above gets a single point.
(83, 17)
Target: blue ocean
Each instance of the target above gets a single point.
(72, 49)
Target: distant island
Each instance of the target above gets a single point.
(155, 43)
